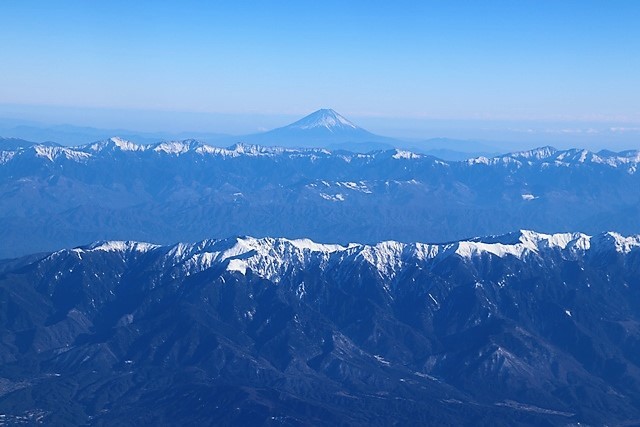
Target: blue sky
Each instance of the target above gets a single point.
(402, 63)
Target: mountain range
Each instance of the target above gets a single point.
(514, 328)
(324, 128)
(187, 190)
(519, 329)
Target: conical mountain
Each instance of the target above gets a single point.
(324, 128)
(325, 118)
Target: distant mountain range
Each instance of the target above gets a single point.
(324, 128)
(519, 329)
(186, 190)
(9, 144)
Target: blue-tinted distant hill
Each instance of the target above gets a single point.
(70, 135)
(17, 143)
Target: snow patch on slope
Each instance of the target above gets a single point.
(403, 154)
(6, 156)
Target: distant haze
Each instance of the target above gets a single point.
(47, 123)
(527, 72)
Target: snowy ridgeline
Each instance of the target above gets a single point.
(272, 258)
(544, 156)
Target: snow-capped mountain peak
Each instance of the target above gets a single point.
(116, 143)
(177, 147)
(325, 118)
(266, 257)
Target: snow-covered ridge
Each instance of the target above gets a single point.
(171, 148)
(113, 144)
(537, 153)
(544, 156)
(192, 148)
(548, 156)
(524, 242)
(261, 150)
(269, 258)
(273, 258)
(120, 246)
(124, 248)
(177, 148)
(53, 153)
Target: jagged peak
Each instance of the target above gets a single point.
(536, 153)
(178, 147)
(115, 143)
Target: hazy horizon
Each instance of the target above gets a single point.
(533, 74)
(506, 134)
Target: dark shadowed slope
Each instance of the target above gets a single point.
(520, 329)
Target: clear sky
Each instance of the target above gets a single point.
(408, 61)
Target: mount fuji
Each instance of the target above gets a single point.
(324, 128)
(325, 118)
